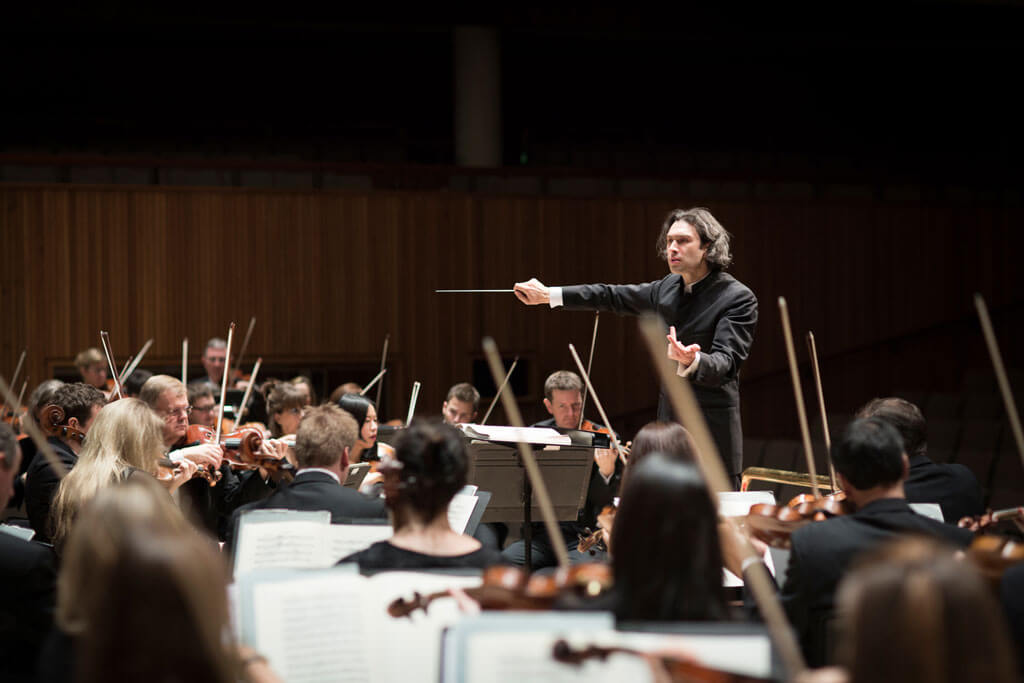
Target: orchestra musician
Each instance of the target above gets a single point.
(286, 403)
(41, 397)
(461, 404)
(28, 579)
(214, 359)
(342, 389)
(305, 385)
(953, 486)
(429, 467)
(125, 440)
(365, 414)
(711, 315)
(133, 383)
(80, 403)
(202, 405)
(563, 399)
(871, 468)
(92, 366)
(323, 442)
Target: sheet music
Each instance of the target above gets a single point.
(281, 538)
(738, 503)
(741, 653)
(531, 435)
(503, 657)
(332, 625)
(460, 509)
(26, 534)
(931, 510)
(345, 539)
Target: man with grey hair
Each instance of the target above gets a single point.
(711, 318)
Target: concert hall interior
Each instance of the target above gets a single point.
(287, 190)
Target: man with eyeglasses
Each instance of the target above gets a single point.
(203, 405)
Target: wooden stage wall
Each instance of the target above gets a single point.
(885, 287)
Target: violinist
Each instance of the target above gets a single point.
(305, 385)
(712, 317)
(92, 366)
(365, 413)
(871, 468)
(80, 404)
(323, 441)
(461, 404)
(41, 397)
(428, 469)
(954, 487)
(168, 398)
(27, 582)
(342, 389)
(215, 358)
(133, 383)
(202, 406)
(125, 440)
(286, 403)
(563, 399)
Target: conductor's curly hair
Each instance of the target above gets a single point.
(711, 233)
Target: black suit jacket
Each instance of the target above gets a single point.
(313, 491)
(1011, 593)
(953, 487)
(28, 579)
(822, 552)
(41, 486)
(720, 314)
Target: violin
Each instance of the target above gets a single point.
(52, 419)
(242, 449)
(593, 541)
(993, 555)
(774, 524)
(678, 669)
(512, 588)
(991, 518)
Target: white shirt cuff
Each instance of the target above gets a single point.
(608, 478)
(686, 372)
(556, 296)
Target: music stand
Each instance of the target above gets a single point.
(496, 467)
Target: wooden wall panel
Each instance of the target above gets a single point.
(885, 287)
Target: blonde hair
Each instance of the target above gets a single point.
(155, 387)
(86, 358)
(135, 576)
(126, 434)
(281, 396)
(323, 435)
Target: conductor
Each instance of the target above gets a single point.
(711, 318)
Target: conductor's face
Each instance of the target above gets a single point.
(565, 406)
(683, 250)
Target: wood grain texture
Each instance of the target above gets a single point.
(328, 274)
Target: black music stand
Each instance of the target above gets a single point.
(496, 467)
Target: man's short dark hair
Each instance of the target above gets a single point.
(197, 390)
(711, 233)
(8, 446)
(76, 399)
(905, 417)
(562, 380)
(869, 453)
(133, 385)
(466, 393)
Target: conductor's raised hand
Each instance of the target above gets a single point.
(532, 292)
(680, 352)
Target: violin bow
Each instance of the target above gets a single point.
(105, 340)
(383, 364)
(590, 364)
(130, 368)
(597, 402)
(21, 396)
(494, 401)
(14, 377)
(244, 405)
(245, 341)
(412, 402)
(801, 411)
(372, 382)
(526, 453)
(1000, 370)
(37, 436)
(184, 361)
(224, 383)
(684, 403)
(813, 350)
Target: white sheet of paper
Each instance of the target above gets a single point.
(499, 657)
(21, 532)
(537, 435)
(460, 509)
(747, 654)
(345, 539)
(931, 510)
(297, 544)
(737, 503)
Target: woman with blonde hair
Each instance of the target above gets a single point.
(142, 596)
(126, 437)
(286, 403)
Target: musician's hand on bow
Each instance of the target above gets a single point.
(185, 470)
(680, 352)
(532, 292)
(208, 454)
(605, 459)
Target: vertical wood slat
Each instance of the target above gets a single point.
(328, 274)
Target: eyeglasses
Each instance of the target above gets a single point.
(203, 409)
(174, 412)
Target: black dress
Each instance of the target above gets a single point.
(385, 555)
